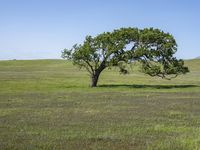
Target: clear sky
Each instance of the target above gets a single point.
(36, 29)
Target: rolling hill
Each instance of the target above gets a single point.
(47, 104)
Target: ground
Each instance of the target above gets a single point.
(48, 104)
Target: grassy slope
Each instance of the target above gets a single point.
(47, 104)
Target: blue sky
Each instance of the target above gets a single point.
(37, 29)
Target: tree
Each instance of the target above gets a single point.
(152, 48)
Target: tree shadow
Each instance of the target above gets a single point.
(147, 86)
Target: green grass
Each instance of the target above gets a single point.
(48, 104)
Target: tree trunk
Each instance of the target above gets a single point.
(94, 79)
(96, 73)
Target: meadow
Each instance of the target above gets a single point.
(48, 104)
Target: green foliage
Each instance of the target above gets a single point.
(153, 48)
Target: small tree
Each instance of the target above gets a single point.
(153, 48)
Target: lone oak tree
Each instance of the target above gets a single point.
(153, 48)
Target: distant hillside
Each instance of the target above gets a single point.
(198, 57)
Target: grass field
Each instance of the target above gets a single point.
(47, 104)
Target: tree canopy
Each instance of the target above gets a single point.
(153, 48)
